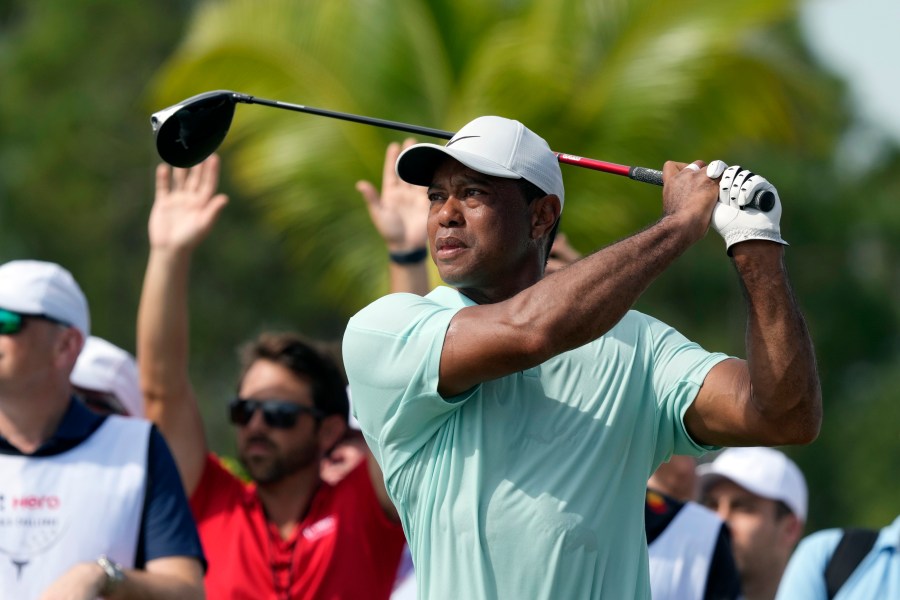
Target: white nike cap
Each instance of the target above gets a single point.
(493, 146)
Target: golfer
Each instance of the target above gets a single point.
(517, 417)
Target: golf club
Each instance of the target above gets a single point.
(188, 132)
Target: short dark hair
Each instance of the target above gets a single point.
(306, 361)
(531, 193)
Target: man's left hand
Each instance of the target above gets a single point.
(735, 223)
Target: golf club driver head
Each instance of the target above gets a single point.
(188, 132)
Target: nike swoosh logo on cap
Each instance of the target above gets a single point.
(465, 137)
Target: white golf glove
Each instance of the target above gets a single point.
(738, 188)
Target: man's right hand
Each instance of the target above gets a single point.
(690, 195)
(186, 205)
(400, 214)
(400, 211)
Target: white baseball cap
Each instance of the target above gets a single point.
(765, 472)
(493, 146)
(34, 287)
(104, 367)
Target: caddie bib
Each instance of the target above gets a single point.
(680, 557)
(56, 511)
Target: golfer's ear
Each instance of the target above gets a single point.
(544, 216)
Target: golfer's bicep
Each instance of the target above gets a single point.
(479, 347)
(722, 414)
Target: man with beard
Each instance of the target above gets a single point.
(288, 534)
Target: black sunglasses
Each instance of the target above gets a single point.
(276, 413)
(12, 323)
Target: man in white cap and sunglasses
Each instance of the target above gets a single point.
(128, 533)
(517, 417)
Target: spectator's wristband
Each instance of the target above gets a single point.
(411, 257)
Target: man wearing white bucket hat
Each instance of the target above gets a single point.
(105, 378)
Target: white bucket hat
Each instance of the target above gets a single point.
(104, 367)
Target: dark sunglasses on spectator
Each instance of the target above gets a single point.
(102, 403)
(12, 323)
(279, 414)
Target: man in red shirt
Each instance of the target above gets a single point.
(288, 534)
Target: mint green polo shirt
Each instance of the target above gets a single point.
(531, 485)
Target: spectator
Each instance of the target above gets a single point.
(105, 379)
(288, 534)
(761, 494)
(855, 564)
(518, 417)
(127, 534)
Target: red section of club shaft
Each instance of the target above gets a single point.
(591, 163)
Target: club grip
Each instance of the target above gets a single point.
(645, 175)
(763, 201)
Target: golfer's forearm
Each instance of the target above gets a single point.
(780, 355)
(585, 300)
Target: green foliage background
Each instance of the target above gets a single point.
(636, 82)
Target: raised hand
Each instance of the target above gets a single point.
(400, 211)
(186, 205)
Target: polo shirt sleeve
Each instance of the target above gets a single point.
(392, 352)
(167, 527)
(804, 577)
(678, 368)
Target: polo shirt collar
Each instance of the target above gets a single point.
(77, 424)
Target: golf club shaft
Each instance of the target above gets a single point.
(637, 173)
(764, 200)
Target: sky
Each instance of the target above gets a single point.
(860, 41)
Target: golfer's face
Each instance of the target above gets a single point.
(479, 227)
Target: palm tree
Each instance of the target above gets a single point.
(634, 82)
